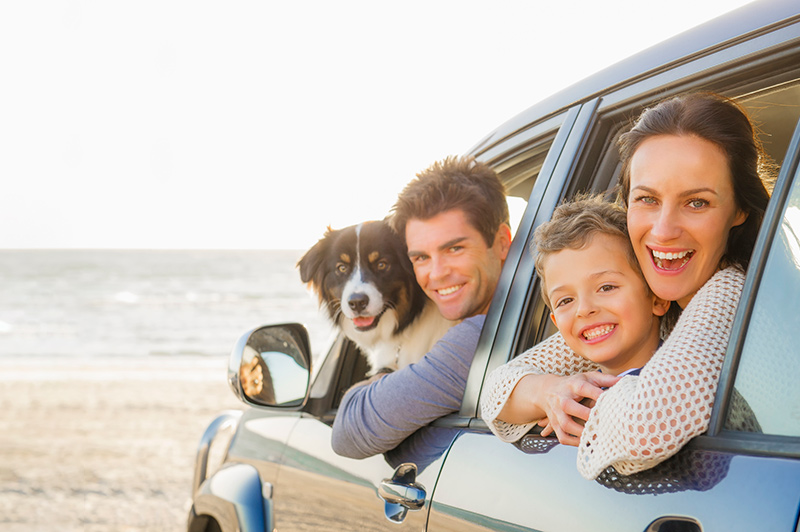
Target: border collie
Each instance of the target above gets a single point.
(363, 277)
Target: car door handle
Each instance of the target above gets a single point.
(402, 493)
(674, 523)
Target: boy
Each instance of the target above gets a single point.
(592, 283)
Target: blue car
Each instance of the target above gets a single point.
(271, 467)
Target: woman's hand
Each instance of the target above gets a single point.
(555, 402)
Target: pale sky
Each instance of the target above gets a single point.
(256, 124)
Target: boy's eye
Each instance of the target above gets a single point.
(563, 301)
(607, 287)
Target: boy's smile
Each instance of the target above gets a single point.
(602, 306)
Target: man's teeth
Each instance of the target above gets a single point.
(670, 255)
(591, 334)
(449, 290)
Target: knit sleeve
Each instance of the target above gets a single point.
(643, 420)
(551, 356)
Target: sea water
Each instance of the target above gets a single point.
(134, 303)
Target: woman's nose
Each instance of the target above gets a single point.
(666, 225)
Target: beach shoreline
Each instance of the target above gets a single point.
(104, 444)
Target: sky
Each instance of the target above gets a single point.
(186, 124)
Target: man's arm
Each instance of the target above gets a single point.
(376, 416)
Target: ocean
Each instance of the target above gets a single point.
(135, 303)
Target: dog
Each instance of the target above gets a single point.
(364, 278)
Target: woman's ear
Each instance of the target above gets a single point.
(660, 306)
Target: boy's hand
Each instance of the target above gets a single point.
(568, 403)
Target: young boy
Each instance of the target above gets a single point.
(594, 288)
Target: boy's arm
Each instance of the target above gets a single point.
(376, 416)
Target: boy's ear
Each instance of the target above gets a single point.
(553, 319)
(660, 306)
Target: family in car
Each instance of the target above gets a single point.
(643, 292)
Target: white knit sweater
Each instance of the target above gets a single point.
(642, 420)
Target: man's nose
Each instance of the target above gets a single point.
(439, 268)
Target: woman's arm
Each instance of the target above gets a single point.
(644, 420)
(512, 407)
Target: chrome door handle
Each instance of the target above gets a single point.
(402, 493)
(674, 523)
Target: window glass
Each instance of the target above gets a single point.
(770, 360)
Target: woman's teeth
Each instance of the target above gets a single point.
(591, 334)
(660, 256)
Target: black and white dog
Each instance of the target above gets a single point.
(364, 278)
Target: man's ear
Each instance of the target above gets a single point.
(503, 240)
(660, 306)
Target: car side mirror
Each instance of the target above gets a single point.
(271, 366)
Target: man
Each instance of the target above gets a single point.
(454, 218)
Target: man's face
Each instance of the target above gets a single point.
(453, 264)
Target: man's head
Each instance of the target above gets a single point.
(454, 219)
(592, 282)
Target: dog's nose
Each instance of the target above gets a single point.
(358, 302)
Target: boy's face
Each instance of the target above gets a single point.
(602, 306)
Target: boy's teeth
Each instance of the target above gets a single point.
(448, 290)
(598, 331)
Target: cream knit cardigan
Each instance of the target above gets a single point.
(642, 420)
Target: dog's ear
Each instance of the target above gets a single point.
(309, 264)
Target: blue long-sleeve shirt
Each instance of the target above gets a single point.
(374, 418)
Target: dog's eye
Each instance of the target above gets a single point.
(382, 265)
(342, 267)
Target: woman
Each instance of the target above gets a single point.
(695, 199)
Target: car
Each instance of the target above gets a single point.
(271, 467)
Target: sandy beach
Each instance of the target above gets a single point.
(103, 444)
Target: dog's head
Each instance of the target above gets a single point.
(364, 278)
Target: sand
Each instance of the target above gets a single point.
(103, 445)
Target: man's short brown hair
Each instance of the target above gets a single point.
(454, 183)
(573, 226)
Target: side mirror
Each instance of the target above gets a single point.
(271, 366)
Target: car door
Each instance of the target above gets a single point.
(723, 480)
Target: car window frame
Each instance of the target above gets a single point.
(745, 442)
(729, 69)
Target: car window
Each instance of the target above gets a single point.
(769, 365)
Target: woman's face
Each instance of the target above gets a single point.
(681, 208)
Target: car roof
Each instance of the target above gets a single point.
(726, 30)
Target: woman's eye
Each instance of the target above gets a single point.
(647, 200)
(698, 203)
